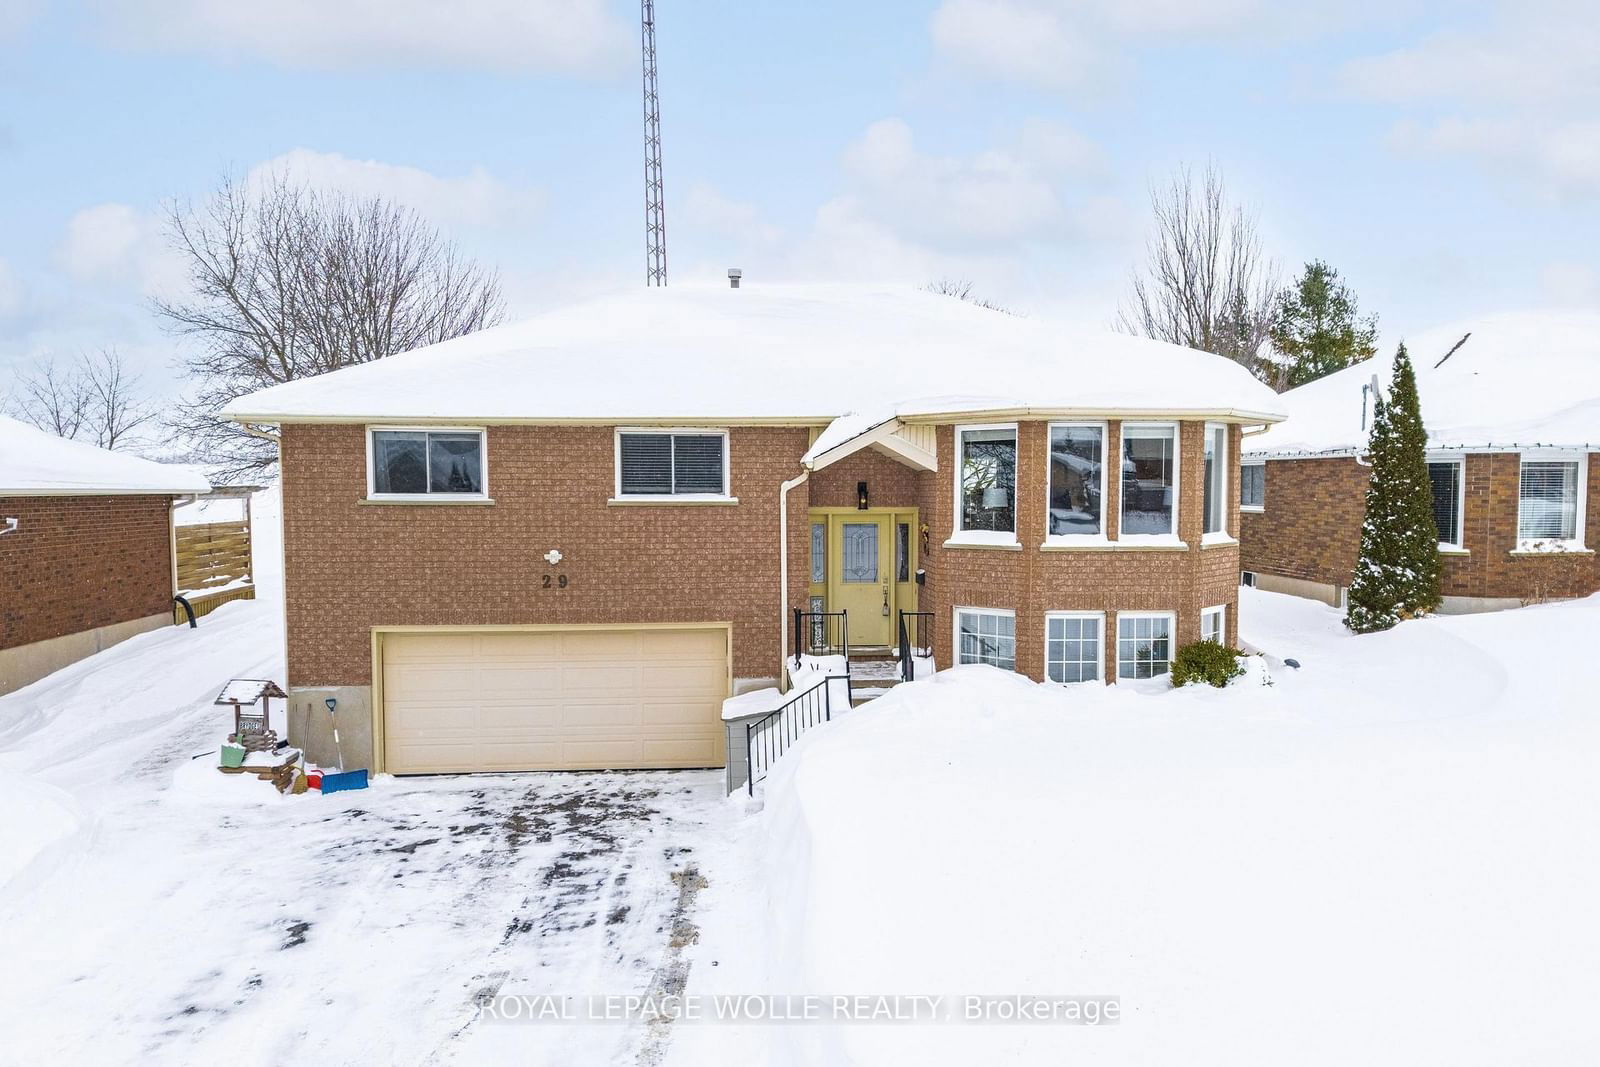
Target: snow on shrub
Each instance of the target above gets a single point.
(1208, 662)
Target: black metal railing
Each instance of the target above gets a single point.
(767, 738)
(821, 633)
(916, 641)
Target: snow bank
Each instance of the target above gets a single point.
(32, 461)
(1376, 860)
(1523, 379)
(709, 352)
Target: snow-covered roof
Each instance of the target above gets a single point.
(35, 463)
(1520, 380)
(770, 353)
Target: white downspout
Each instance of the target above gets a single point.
(783, 567)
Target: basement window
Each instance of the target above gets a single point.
(986, 636)
(423, 463)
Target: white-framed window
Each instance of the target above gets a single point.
(1144, 643)
(1149, 480)
(1214, 624)
(678, 464)
(1215, 509)
(986, 635)
(1550, 500)
(1247, 579)
(986, 479)
(427, 462)
(1444, 479)
(1253, 486)
(1072, 646)
(1077, 480)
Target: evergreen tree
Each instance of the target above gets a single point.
(1397, 574)
(1317, 328)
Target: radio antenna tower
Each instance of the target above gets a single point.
(655, 211)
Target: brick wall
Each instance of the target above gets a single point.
(353, 565)
(77, 563)
(1311, 529)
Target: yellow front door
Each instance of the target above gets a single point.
(861, 582)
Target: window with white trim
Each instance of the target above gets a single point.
(1149, 480)
(418, 463)
(986, 636)
(1444, 480)
(686, 463)
(1214, 624)
(1547, 501)
(1077, 480)
(1215, 511)
(1253, 485)
(1072, 646)
(1144, 644)
(986, 475)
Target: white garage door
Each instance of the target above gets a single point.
(553, 700)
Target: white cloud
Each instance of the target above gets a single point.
(566, 36)
(1086, 43)
(994, 197)
(118, 244)
(1535, 51)
(1562, 157)
(1018, 40)
(706, 208)
(476, 198)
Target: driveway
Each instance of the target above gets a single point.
(186, 916)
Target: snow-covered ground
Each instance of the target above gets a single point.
(153, 910)
(1386, 857)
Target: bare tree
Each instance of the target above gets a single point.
(1205, 284)
(961, 289)
(95, 398)
(287, 282)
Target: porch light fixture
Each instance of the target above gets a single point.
(861, 496)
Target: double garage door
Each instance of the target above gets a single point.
(578, 699)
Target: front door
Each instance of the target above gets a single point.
(861, 586)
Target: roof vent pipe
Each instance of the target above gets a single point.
(734, 274)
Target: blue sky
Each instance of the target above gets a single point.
(1445, 157)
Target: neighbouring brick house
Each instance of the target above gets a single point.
(86, 555)
(1513, 421)
(562, 543)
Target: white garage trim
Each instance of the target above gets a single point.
(379, 633)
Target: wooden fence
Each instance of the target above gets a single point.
(213, 566)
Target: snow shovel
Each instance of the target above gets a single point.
(337, 783)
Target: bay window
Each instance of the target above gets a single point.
(1072, 646)
(986, 473)
(1077, 480)
(1149, 480)
(1216, 479)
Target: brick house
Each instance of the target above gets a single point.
(86, 553)
(1513, 420)
(562, 543)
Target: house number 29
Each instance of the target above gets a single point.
(558, 581)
